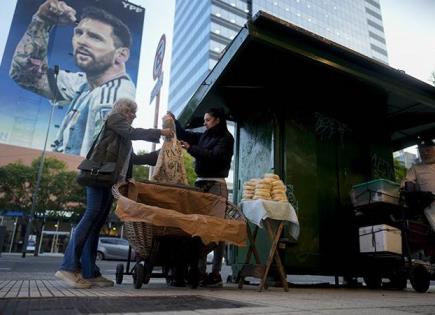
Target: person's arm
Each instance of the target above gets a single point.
(184, 135)
(29, 67)
(119, 124)
(146, 158)
(222, 151)
(409, 183)
(411, 176)
(188, 136)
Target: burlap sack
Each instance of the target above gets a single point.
(170, 164)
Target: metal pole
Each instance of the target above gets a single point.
(57, 238)
(13, 234)
(38, 183)
(156, 118)
(40, 240)
(250, 12)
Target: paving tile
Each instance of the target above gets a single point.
(6, 288)
(52, 286)
(33, 289)
(15, 289)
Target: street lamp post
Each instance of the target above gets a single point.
(41, 168)
(155, 93)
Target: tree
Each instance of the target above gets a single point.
(432, 78)
(190, 171)
(16, 186)
(58, 192)
(399, 170)
(141, 172)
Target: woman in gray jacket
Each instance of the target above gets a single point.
(78, 268)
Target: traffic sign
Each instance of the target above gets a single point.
(158, 59)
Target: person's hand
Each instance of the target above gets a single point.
(167, 132)
(56, 12)
(185, 144)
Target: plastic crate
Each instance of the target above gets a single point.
(375, 191)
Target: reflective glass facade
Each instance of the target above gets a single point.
(203, 28)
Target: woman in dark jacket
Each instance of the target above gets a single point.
(213, 151)
(78, 268)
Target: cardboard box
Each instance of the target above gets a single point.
(380, 238)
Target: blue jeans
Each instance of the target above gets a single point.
(81, 252)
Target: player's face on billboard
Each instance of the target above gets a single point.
(93, 45)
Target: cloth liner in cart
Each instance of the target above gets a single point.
(151, 210)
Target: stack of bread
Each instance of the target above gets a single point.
(262, 189)
(270, 187)
(278, 191)
(249, 188)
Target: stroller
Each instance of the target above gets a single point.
(159, 216)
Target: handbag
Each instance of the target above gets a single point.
(97, 174)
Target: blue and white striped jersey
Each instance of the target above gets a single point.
(87, 109)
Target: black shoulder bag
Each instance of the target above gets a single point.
(97, 174)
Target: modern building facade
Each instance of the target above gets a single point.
(407, 159)
(203, 28)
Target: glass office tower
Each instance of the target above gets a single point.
(203, 28)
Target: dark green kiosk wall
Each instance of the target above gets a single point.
(320, 154)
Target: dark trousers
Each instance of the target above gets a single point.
(220, 189)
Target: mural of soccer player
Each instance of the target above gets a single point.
(101, 47)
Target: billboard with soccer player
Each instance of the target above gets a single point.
(79, 56)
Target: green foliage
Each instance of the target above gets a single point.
(189, 165)
(399, 170)
(141, 172)
(16, 184)
(58, 190)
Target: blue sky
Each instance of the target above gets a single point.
(410, 35)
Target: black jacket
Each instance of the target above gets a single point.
(115, 143)
(212, 150)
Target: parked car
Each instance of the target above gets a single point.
(113, 248)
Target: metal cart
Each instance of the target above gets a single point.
(418, 246)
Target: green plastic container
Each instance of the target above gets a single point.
(375, 191)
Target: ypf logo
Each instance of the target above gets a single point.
(132, 7)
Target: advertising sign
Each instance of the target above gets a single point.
(78, 55)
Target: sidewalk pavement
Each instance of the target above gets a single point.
(53, 297)
(29, 287)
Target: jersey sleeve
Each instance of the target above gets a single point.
(68, 85)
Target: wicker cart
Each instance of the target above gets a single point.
(145, 238)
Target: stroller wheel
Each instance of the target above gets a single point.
(138, 276)
(147, 273)
(420, 278)
(193, 277)
(119, 273)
